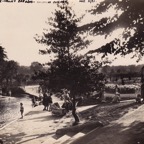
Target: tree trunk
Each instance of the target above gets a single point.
(74, 113)
(142, 90)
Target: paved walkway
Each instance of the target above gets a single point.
(36, 126)
(129, 129)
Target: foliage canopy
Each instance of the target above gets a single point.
(69, 70)
(131, 19)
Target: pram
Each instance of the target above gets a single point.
(57, 110)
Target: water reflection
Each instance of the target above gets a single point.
(10, 108)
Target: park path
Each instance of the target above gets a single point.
(36, 126)
(128, 129)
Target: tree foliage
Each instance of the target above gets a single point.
(79, 74)
(131, 19)
(36, 66)
(3, 55)
(9, 72)
(64, 40)
(63, 35)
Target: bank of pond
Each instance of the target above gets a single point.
(10, 108)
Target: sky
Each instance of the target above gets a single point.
(20, 22)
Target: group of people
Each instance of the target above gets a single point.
(66, 106)
(47, 101)
(67, 100)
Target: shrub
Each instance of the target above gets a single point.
(123, 89)
(17, 91)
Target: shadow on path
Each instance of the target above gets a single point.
(35, 137)
(115, 134)
(34, 112)
(44, 118)
(12, 138)
(17, 138)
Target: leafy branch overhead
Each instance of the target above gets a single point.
(129, 15)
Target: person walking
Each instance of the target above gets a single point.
(21, 109)
(45, 102)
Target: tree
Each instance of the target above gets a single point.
(3, 56)
(20, 79)
(131, 19)
(24, 75)
(9, 72)
(106, 70)
(68, 70)
(36, 66)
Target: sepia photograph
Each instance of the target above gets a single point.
(71, 72)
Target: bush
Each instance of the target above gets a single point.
(123, 89)
(108, 99)
(17, 91)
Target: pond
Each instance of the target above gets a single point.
(10, 108)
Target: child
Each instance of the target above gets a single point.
(45, 101)
(50, 101)
(21, 109)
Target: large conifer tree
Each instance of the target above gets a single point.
(68, 70)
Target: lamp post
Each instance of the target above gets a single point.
(142, 83)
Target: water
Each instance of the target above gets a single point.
(10, 108)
